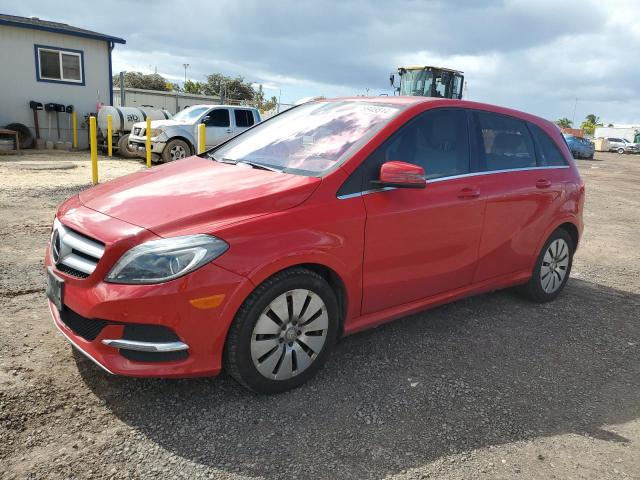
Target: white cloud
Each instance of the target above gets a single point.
(534, 56)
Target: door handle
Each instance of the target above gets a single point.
(467, 193)
(543, 183)
(229, 130)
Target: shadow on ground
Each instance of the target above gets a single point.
(484, 371)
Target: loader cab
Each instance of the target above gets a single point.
(429, 82)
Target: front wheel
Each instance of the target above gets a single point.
(283, 332)
(552, 268)
(620, 151)
(175, 150)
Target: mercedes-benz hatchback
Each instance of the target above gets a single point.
(330, 218)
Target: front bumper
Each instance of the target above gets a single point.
(196, 335)
(139, 146)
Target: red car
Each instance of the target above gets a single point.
(330, 218)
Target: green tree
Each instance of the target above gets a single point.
(261, 103)
(193, 87)
(564, 122)
(590, 123)
(152, 81)
(592, 118)
(227, 87)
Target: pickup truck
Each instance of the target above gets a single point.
(178, 138)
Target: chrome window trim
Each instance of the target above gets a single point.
(454, 177)
(365, 192)
(489, 172)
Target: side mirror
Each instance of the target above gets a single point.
(400, 175)
(205, 119)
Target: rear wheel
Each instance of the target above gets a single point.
(552, 268)
(175, 150)
(283, 332)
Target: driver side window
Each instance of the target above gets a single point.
(437, 140)
(218, 118)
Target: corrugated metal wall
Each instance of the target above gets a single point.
(170, 101)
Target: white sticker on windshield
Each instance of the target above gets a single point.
(380, 110)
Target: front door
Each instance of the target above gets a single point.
(422, 242)
(218, 126)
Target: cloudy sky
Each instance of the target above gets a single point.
(537, 56)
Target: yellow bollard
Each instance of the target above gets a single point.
(109, 135)
(202, 138)
(74, 125)
(94, 149)
(148, 143)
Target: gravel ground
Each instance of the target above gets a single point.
(487, 387)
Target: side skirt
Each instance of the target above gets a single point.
(378, 318)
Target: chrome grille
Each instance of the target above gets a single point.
(73, 253)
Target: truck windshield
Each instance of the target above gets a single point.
(309, 139)
(416, 83)
(190, 114)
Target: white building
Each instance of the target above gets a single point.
(50, 62)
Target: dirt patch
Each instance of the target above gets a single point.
(488, 387)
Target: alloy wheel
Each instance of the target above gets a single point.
(178, 152)
(289, 335)
(554, 265)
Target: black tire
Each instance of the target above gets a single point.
(534, 288)
(171, 149)
(237, 358)
(123, 147)
(620, 151)
(25, 137)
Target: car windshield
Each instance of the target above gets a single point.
(308, 139)
(190, 114)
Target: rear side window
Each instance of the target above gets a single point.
(218, 118)
(244, 118)
(505, 142)
(549, 154)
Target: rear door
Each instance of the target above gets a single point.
(421, 242)
(218, 126)
(243, 118)
(522, 192)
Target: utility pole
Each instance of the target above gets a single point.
(573, 121)
(185, 65)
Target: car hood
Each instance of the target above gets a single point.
(197, 195)
(161, 123)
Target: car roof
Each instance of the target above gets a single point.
(410, 102)
(209, 105)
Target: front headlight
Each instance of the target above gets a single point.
(156, 131)
(163, 260)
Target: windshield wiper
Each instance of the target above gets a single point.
(261, 166)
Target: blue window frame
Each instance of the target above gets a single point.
(59, 65)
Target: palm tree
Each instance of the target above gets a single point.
(592, 118)
(564, 122)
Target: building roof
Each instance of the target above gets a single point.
(35, 23)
